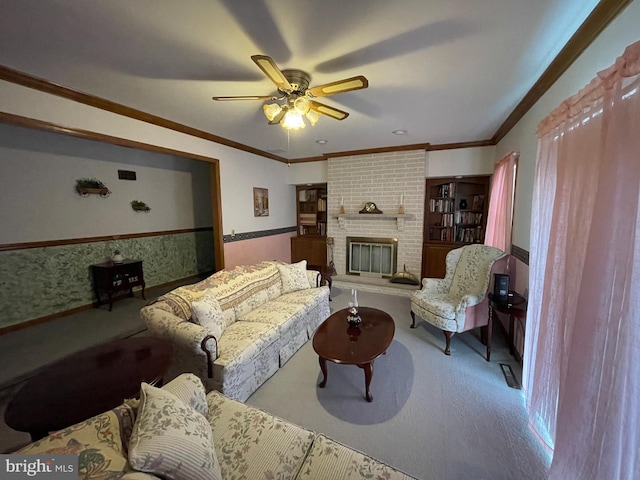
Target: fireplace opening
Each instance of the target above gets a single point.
(376, 257)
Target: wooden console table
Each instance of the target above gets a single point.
(112, 278)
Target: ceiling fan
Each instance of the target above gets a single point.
(296, 96)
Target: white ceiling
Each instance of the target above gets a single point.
(447, 71)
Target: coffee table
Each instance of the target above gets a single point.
(336, 341)
(87, 383)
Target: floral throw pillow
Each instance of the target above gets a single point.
(207, 312)
(189, 389)
(293, 276)
(171, 440)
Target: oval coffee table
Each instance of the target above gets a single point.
(87, 383)
(335, 340)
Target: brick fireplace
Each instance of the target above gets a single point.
(385, 179)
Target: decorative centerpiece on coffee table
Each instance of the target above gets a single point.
(353, 318)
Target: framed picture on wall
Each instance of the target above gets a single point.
(260, 202)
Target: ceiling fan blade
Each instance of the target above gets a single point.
(327, 110)
(271, 70)
(346, 85)
(246, 97)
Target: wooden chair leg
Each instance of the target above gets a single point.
(413, 317)
(447, 336)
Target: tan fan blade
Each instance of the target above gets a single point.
(327, 110)
(346, 85)
(271, 70)
(248, 97)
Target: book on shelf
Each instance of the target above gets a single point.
(308, 219)
(478, 202)
(302, 196)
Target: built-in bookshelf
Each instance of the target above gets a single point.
(455, 215)
(312, 209)
(310, 243)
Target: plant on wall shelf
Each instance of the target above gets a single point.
(139, 206)
(87, 186)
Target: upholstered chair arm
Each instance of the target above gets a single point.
(314, 278)
(184, 334)
(435, 285)
(469, 300)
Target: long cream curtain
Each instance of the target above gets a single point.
(582, 355)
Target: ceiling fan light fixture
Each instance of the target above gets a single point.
(292, 120)
(271, 110)
(302, 105)
(313, 117)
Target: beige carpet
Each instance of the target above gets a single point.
(433, 416)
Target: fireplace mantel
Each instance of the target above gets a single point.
(399, 217)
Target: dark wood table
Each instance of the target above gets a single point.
(87, 383)
(336, 341)
(516, 307)
(112, 278)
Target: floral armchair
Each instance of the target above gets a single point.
(458, 302)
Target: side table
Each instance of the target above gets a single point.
(114, 277)
(516, 308)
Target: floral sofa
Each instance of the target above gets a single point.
(237, 327)
(179, 432)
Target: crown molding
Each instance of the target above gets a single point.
(27, 122)
(36, 83)
(596, 22)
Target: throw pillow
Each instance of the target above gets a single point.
(189, 389)
(293, 276)
(208, 313)
(171, 440)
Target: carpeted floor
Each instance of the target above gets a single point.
(433, 416)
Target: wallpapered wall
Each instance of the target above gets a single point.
(38, 171)
(37, 282)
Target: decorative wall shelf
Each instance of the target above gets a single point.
(399, 217)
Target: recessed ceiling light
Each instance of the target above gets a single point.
(399, 132)
(322, 141)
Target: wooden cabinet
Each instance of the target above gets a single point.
(114, 277)
(311, 249)
(455, 213)
(310, 244)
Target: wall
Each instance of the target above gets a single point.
(40, 204)
(522, 137)
(382, 179)
(461, 161)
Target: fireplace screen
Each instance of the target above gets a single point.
(372, 256)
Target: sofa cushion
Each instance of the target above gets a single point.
(100, 443)
(208, 313)
(241, 343)
(440, 304)
(171, 439)
(293, 276)
(251, 443)
(329, 460)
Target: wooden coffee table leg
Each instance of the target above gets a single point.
(323, 367)
(368, 373)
